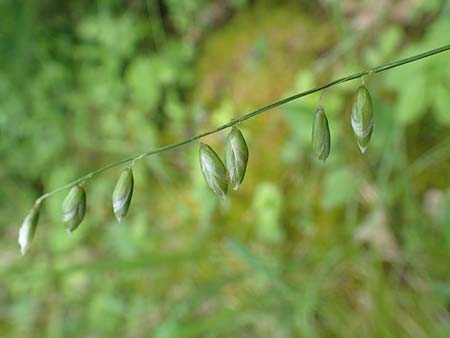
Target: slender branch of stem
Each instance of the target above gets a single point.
(250, 115)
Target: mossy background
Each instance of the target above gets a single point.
(356, 247)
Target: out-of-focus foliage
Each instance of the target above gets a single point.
(356, 247)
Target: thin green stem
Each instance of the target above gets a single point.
(242, 118)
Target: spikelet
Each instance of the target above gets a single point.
(362, 118)
(28, 229)
(74, 208)
(236, 157)
(320, 138)
(213, 170)
(123, 191)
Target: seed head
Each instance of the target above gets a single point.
(362, 117)
(74, 207)
(122, 194)
(236, 157)
(28, 229)
(213, 170)
(320, 135)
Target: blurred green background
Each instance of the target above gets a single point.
(356, 247)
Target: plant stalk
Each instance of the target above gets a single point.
(250, 115)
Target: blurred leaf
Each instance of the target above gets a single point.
(118, 35)
(258, 265)
(446, 218)
(224, 113)
(340, 186)
(375, 231)
(412, 102)
(419, 85)
(441, 103)
(143, 80)
(106, 312)
(267, 205)
(388, 43)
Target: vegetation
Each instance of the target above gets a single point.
(356, 247)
